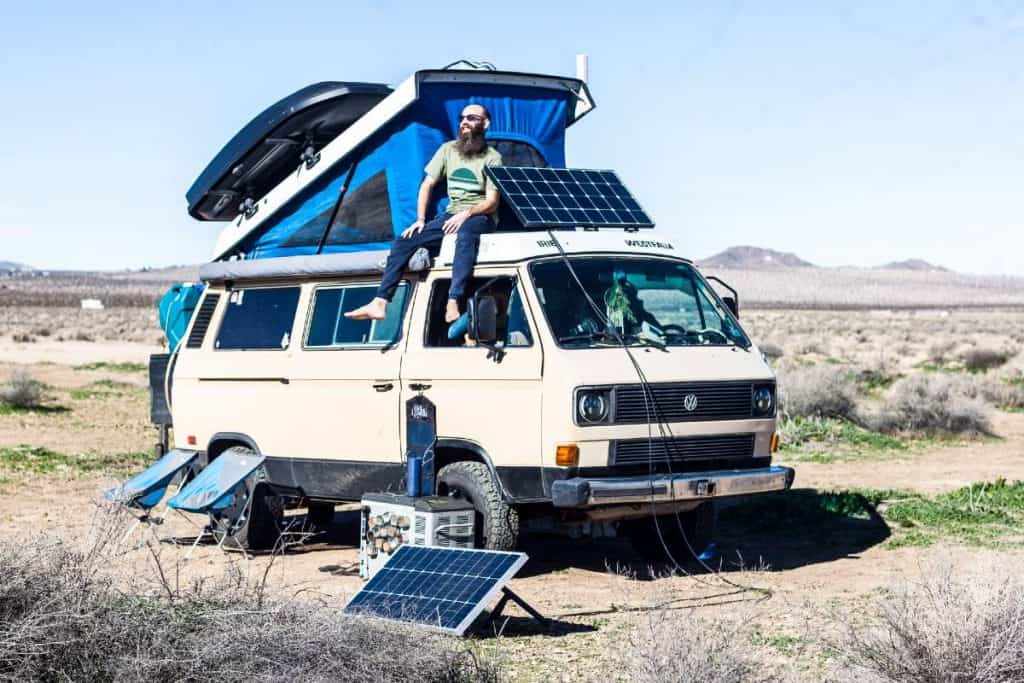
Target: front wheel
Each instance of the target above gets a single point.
(497, 522)
(683, 536)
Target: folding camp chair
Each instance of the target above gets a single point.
(222, 491)
(144, 492)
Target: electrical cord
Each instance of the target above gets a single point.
(663, 427)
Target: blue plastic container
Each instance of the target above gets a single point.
(412, 477)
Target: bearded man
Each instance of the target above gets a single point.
(472, 210)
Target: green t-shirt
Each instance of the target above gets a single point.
(467, 183)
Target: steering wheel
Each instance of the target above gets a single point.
(718, 333)
(672, 328)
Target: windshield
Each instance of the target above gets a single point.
(647, 301)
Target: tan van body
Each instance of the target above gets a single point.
(331, 421)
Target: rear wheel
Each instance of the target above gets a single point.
(684, 536)
(254, 525)
(497, 523)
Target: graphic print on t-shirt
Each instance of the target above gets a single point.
(465, 180)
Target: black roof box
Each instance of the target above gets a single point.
(274, 143)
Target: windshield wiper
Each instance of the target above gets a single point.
(589, 336)
(647, 341)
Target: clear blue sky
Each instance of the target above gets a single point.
(848, 132)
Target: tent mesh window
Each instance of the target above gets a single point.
(365, 214)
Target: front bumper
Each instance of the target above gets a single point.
(580, 492)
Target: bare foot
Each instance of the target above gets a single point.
(451, 313)
(375, 310)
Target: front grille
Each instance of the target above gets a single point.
(714, 401)
(717, 447)
(202, 322)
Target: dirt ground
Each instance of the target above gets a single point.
(813, 583)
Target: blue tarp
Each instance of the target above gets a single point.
(395, 157)
(147, 488)
(176, 308)
(213, 489)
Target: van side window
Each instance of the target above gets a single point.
(513, 324)
(258, 318)
(329, 328)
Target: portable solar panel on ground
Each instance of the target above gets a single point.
(543, 197)
(443, 588)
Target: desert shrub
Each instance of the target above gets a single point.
(980, 359)
(21, 390)
(818, 391)
(668, 647)
(53, 594)
(772, 351)
(942, 629)
(940, 351)
(21, 338)
(935, 404)
(83, 336)
(42, 331)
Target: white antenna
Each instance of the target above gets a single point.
(582, 67)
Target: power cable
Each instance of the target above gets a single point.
(663, 427)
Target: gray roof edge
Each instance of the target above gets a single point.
(321, 265)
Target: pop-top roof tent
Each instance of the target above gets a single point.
(279, 183)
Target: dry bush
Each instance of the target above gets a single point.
(53, 594)
(818, 391)
(21, 390)
(771, 351)
(942, 629)
(666, 647)
(982, 359)
(935, 404)
(940, 351)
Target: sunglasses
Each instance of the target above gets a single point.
(472, 118)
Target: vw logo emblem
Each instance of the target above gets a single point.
(690, 402)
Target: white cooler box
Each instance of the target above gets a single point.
(389, 521)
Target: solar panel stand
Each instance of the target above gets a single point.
(506, 595)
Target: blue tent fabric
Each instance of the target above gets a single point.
(148, 488)
(176, 308)
(213, 489)
(401, 150)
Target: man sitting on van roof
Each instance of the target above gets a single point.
(472, 210)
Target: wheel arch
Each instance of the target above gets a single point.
(449, 450)
(221, 441)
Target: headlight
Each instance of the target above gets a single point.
(764, 401)
(592, 406)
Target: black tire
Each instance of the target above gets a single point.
(497, 523)
(698, 525)
(260, 526)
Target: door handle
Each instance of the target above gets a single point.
(384, 386)
(419, 386)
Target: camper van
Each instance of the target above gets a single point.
(602, 384)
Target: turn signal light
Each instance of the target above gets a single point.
(567, 456)
(775, 442)
(191, 440)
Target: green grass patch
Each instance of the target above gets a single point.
(826, 439)
(113, 367)
(101, 388)
(985, 514)
(785, 645)
(25, 459)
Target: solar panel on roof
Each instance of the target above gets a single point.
(558, 197)
(443, 588)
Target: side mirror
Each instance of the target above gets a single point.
(731, 304)
(483, 319)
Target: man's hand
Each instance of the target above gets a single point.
(413, 229)
(452, 225)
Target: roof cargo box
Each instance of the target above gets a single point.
(270, 146)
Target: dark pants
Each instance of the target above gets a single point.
(466, 244)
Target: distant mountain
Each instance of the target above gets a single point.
(915, 264)
(11, 265)
(754, 257)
